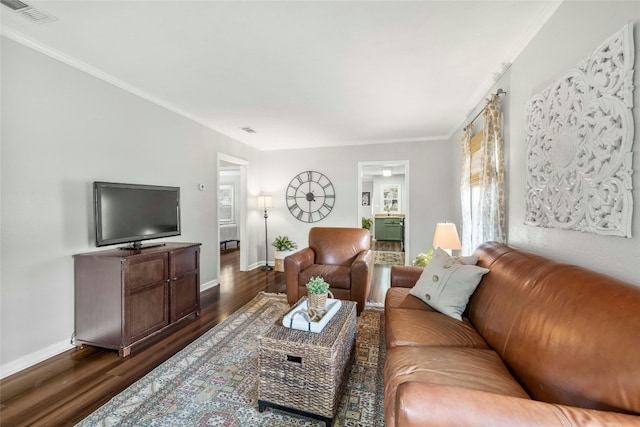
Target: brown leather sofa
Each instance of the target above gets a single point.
(339, 255)
(542, 343)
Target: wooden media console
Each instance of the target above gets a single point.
(124, 296)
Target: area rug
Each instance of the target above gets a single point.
(214, 380)
(390, 258)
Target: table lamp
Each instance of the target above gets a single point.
(446, 237)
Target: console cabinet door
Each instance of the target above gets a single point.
(380, 229)
(146, 296)
(393, 230)
(389, 229)
(185, 282)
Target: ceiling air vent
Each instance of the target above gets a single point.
(248, 129)
(28, 12)
(14, 4)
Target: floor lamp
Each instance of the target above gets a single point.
(265, 202)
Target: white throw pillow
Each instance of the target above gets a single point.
(468, 260)
(446, 284)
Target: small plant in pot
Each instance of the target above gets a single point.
(284, 247)
(282, 243)
(367, 223)
(318, 290)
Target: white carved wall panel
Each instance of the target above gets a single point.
(579, 134)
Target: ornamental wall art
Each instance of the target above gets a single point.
(579, 133)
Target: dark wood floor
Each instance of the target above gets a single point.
(66, 388)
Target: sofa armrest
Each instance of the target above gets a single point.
(405, 276)
(450, 405)
(364, 260)
(361, 272)
(293, 265)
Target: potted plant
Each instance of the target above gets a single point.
(367, 223)
(423, 259)
(318, 290)
(283, 243)
(284, 247)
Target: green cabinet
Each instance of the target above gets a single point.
(389, 229)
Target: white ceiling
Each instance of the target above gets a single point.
(300, 73)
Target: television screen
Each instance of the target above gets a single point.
(130, 213)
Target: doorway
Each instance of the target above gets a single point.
(383, 187)
(232, 183)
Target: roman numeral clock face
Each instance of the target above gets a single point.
(310, 196)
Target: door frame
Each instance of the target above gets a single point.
(241, 204)
(406, 193)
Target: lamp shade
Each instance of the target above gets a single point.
(446, 236)
(265, 202)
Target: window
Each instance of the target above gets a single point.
(225, 204)
(476, 159)
(482, 183)
(475, 145)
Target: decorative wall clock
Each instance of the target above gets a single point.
(310, 196)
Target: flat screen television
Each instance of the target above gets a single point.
(131, 213)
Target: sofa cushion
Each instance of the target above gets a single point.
(407, 327)
(446, 284)
(400, 298)
(338, 276)
(470, 368)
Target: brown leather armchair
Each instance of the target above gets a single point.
(339, 255)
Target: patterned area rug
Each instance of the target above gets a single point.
(392, 258)
(214, 380)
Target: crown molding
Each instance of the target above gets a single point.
(86, 68)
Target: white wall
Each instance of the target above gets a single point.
(367, 211)
(62, 129)
(428, 199)
(575, 30)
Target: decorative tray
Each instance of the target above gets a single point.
(298, 317)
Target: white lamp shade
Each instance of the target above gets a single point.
(446, 237)
(265, 202)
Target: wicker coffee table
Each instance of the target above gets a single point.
(304, 372)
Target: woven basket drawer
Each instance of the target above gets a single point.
(304, 370)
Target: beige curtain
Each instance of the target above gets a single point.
(465, 191)
(483, 208)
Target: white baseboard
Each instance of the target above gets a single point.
(258, 265)
(34, 358)
(55, 349)
(210, 284)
